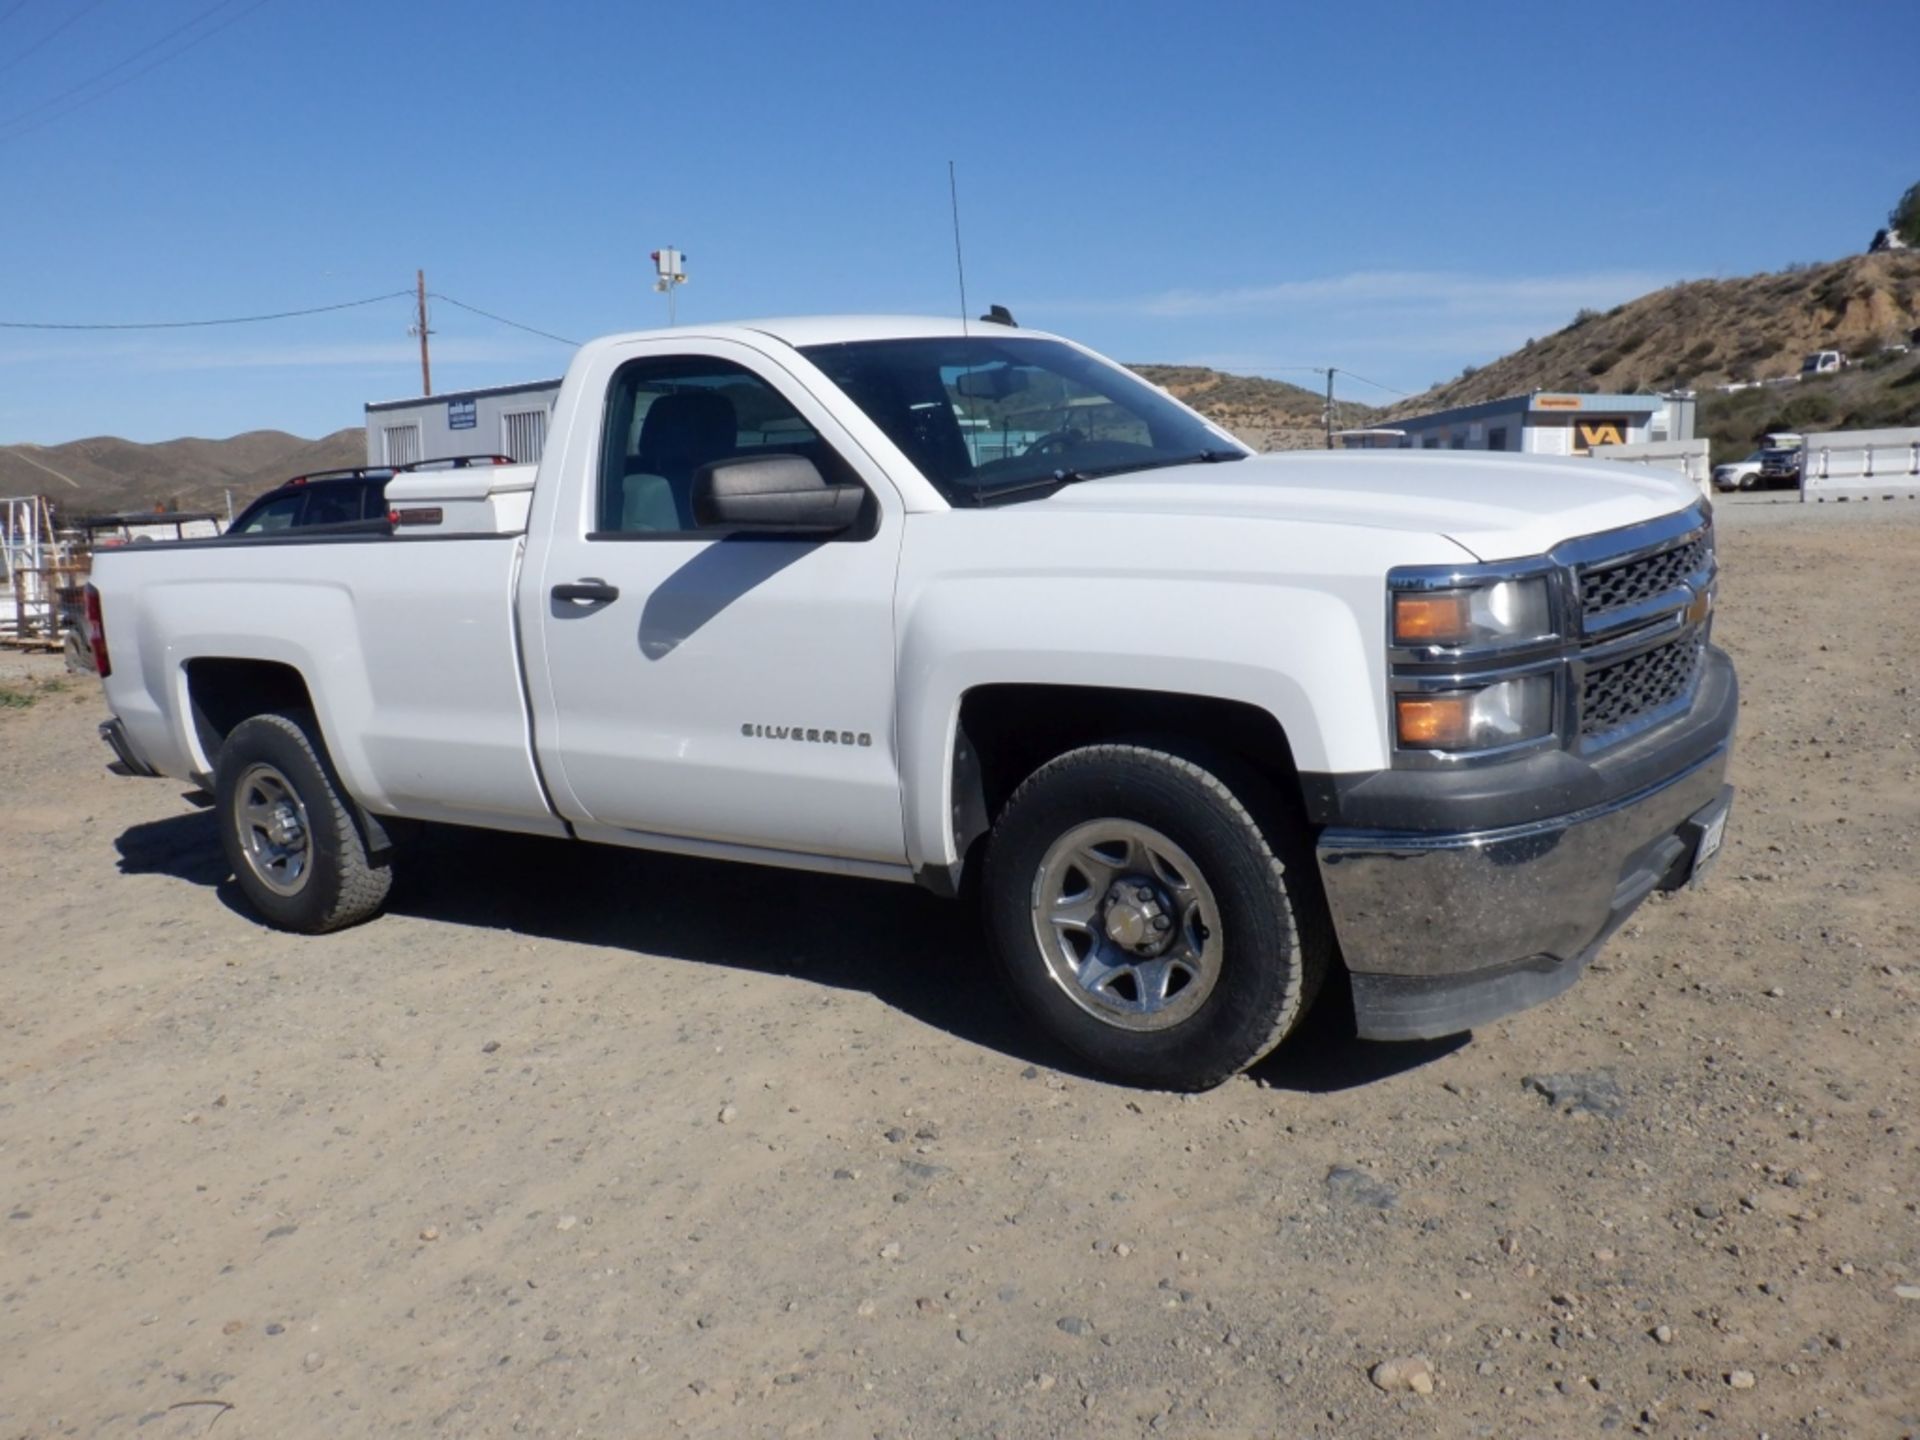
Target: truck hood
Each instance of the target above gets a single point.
(1497, 507)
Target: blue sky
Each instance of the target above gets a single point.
(1398, 189)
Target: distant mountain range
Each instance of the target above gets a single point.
(107, 475)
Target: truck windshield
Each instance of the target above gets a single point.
(988, 418)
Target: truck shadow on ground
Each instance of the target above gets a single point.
(922, 955)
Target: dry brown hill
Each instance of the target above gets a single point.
(1706, 332)
(1269, 414)
(107, 474)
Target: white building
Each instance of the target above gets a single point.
(1543, 423)
(508, 420)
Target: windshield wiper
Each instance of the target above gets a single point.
(1058, 479)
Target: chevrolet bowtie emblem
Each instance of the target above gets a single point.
(1701, 607)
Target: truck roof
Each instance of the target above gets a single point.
(802, 330)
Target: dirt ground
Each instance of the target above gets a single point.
(590, 1143)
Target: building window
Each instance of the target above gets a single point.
(523, 435)
(402, 444)
(1497, 438)
(1432, 442)
(1459, 442)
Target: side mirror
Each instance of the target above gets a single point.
(779, 493)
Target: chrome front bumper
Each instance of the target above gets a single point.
(1442, 931)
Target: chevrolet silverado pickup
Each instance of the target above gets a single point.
(971, 607)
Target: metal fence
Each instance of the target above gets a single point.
(1861, 465)
(1686, 457)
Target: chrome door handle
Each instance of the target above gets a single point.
(587, 592)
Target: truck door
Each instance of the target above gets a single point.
(691, 685)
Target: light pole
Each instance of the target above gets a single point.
(671, 267)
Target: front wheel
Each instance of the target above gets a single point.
(287, 830)
(1144, 919)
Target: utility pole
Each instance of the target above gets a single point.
(420, 329)
(1329, 412)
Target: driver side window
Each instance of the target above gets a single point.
(666, 418)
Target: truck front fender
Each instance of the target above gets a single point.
(1307, 657)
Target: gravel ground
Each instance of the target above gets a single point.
(581, 1142)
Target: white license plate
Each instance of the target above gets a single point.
(1710, 838)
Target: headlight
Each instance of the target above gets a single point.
(1504, 713)
(1506, 612)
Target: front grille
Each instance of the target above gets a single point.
(1610, 587)
(1618, 694)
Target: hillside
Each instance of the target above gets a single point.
(1880, 392)
(1267, 414)
(105, 474)
(1703, 333)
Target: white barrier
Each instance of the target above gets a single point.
(1861, 465)
(1688, 457)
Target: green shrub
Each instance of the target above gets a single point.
(1904, 218)
(1808, 412)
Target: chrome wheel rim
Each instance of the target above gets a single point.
(1127, 924)
(271, 820)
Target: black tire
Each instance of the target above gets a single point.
(1264, 976)
(337, 884)
(1749, 482)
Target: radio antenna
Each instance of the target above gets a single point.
(959, 262)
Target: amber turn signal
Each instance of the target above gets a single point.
(1434, 722)
(1440, 619)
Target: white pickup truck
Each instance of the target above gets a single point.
(974, 608)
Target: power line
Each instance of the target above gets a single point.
(51, 35)
(199, 324)
(12, 10)
(1403, 394)
(1341, 369)
(91, 80)
(278, 315)
(502, 320)
(125, 80)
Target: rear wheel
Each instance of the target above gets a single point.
(1143, 917)
(287, 829)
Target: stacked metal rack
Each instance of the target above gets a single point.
(38, 564)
